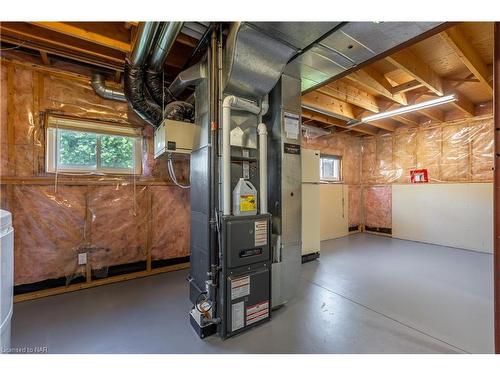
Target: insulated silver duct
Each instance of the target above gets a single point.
(135, 89)
(165, 39)
(100, 89)
(167, 35)
(146, 32)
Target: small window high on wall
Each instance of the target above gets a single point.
(87, 146)
(331, 168)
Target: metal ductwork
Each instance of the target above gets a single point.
(253, 61)
(135, 89)
(188, 77)
(100, 89)
(154, 74)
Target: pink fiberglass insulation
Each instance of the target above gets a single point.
(378, 206)
(354, 205)
(118, 225)
(171, 221)
(49, 230)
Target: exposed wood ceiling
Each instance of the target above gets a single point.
(456, 61)
(100, 44)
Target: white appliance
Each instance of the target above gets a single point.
(310, 202)
(6, 278)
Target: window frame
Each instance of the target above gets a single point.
(54, 123)
(334, 157)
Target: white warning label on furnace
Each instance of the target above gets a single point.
(240, 287)
(257, 312)
(261, 233)
(237, 316)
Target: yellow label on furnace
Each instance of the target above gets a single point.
(247, 203)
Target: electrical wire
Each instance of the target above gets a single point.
(15, 47)
(171, 172)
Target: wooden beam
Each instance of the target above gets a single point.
(186, 40)
(433, 114)
(107, 280)
(414, 66)
(468, 55)
(348, 93)
(40, 39)
(45, 58)
(81, 33)
(328, 104)
(385, 124)
(408, 86)
(372, 80)
(332, 121)
(118, 76)
(462, 103)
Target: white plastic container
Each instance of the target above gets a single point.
(244, 198)
(6, 278)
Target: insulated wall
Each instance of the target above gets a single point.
(453, 152)
(115, 219)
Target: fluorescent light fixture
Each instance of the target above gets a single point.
(410, 108)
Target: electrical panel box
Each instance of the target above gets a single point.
(176, 136)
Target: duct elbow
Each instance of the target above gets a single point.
(100, 89)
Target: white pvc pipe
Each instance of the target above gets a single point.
(229, 103)
(226, 154)
(262, 130)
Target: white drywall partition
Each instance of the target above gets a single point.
(456, 215)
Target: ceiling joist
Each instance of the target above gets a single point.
(411, 64)
(468, 55)
(87, 35)
(372, 80)
(331, 122)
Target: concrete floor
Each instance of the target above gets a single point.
(366, 294)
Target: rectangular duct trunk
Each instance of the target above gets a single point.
(284, 187)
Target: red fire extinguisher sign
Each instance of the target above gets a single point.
(419, 175)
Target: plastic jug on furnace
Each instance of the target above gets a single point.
(244, 198)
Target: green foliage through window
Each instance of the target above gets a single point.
(117, 152)
(87, 150)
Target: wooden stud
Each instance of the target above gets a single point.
(45, 58)
(149, 229)
(118, 76)
(11, 150)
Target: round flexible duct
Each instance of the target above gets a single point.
(105, 92)
(135, 89)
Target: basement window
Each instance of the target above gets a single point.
(88, 146)
(330, 168)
